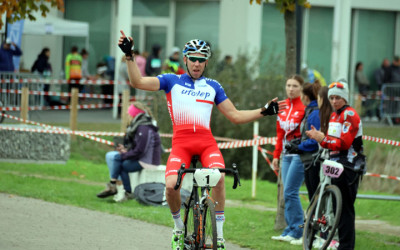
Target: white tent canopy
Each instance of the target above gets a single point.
(56, 26)
(52, 25)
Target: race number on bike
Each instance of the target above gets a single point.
(332, 169)
(207, 177)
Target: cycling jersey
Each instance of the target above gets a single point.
(344, 139)
(190, 103)
(288, 124)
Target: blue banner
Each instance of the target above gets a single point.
(14, 32)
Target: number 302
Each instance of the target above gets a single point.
(331, 170)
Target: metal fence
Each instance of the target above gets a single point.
(390, 102)
(10, 85)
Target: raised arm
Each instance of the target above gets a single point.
(136, 79)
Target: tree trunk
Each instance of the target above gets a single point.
(290, 34)
(280, 222)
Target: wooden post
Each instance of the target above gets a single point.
(24, 103)
(73, 118)
(280, 222)
(124, 110)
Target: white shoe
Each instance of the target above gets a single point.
(283, 238)
(120, 193)
(318, 242)
(298, 241)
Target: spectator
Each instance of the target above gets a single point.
(85, 64)
(225, 64)
(6, 55)
(141, 63)
(73, 69)
(141, 148)
(382, 74)
(361, 80)
(42, 66)
(308, 148)
(172, 65)
(292, 169)
(363, 88)
(395, 70)
(344, 141)
(153, 63)
(312, 75)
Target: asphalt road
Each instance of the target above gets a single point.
(31, 224)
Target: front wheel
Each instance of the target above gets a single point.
(320, 227)
(190, 221)
(209, 225)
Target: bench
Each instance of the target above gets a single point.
(147, 175)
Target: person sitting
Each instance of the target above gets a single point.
(141, 148)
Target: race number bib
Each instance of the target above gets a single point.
(207, 177)
(332, 169)
(335, 129)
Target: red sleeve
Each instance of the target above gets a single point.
(278, 146)
(350, 128)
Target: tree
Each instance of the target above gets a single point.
(22, 9)
(287, 7)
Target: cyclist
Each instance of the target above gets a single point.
(190, 99)
(344, 141)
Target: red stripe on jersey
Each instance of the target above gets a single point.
(210, 102)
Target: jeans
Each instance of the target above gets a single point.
(292, 177)
(120, 169)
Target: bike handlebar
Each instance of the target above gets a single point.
(232, 170)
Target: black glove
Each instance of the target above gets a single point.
(292, 148)
(127, 46)
(270, 108)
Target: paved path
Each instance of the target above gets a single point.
(30, 224)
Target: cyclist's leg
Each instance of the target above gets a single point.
(212, 158)
(175, 160)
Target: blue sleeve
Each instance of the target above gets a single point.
(220, 95)
(310, 145)
(165, 82)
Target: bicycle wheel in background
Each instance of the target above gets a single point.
(2, 112)
(323, 228)
(190, 220)
(209, 226)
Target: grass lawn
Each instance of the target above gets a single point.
(78, 181)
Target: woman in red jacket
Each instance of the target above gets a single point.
(344, 141)
(292, 170)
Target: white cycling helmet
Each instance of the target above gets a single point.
(197, 46)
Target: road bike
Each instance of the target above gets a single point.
(323, 214)
(325, 207)
(199, 210)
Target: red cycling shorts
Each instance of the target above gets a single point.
(187, 143)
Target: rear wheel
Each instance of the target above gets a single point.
(209, 226)
(323, 225)
(190, 221)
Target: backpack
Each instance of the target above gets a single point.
(153, 194)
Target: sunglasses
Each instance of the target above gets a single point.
(197, 58)
(337, 85)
